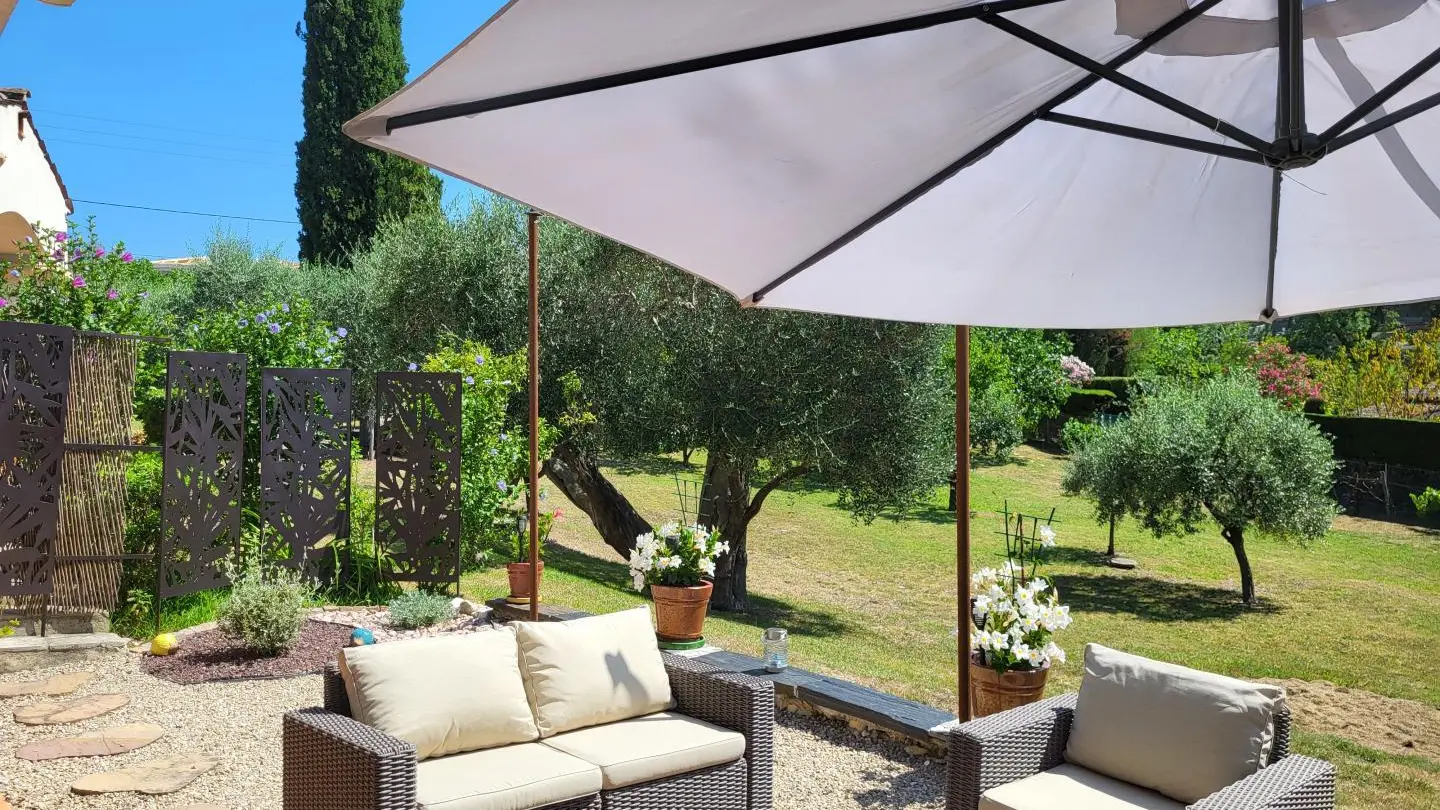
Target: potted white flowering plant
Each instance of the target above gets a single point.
(1017, 611)
(675, 563)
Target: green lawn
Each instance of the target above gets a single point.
(876, 603)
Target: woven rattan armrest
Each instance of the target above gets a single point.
(741, 703)
(1006, 747)
(1293, 783)
(332, 762)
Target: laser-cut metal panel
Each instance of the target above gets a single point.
(34, 387)
(417, 475)
(304, 462)
(204, 451)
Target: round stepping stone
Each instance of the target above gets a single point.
(106, 743)
(58, 685)
(1124, 563)
(156, 777)
(49, 712)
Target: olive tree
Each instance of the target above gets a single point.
(1218, 449)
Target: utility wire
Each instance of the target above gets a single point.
(269, 152)
(220, 158)
(191, 213)
(152, 125)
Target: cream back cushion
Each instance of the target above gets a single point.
(1175, 730)
(445, 695)
(595, 670)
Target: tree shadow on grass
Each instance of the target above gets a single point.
(652, 465)
(763, 612)
(1077, 556)
(1157, 599)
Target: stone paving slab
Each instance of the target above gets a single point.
(49, 712)
(52, 687)
(152, 778)
(103, 743)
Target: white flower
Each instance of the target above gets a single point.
(1021, 651)
(1047, 537)
(1029, 624)
(639, 581)
(982, 604)
(722, 548)
(662, 563)
(669, 529)
(1054, 653)
(996, 593)
(708, 566)
(1036, 658)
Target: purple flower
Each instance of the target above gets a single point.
(479, 360)
(4, 303)
(112, 294)
(126, 257)
(413, 367)
(244, 322)
(284, 307)
(78, 283)
(14, 273)
(61, 236)
(334, 340)
(58, 254)
(261, 318)
(342, 332)
(99, 252)
(469, 380)
(502, 486)
(274, 328)
(144, 295)
(503, 437)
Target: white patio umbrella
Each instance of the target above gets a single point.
(1038, 163)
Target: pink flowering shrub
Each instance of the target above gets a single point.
(68, 278)
(1077, 372)
(1284, 374)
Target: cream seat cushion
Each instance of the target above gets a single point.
(516, 777)
(1180, 731)
(1071, 787)
(445, 695)
(656, 746)
(594, 670)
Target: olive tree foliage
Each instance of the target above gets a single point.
(639, 358)
(1218, 450)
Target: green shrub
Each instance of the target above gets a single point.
(995, 425)
(266, 608)
(1076, 434)
(417, 609)
(1087, 402)
(1427, 503)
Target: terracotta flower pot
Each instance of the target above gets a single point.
(680, 611)
(519, 574)
(992, 692)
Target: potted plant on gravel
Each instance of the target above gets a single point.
(1017, 612)
(675, 563)
(518, 569)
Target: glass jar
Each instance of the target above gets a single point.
(777, 649)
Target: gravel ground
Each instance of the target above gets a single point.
(819, 765)
(213, 656)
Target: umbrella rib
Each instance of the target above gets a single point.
(1081, 85)
(1162, 138)
(1277, 176)
(1117, 78)
(446, 112)
(1385, 122)
(1380, 96)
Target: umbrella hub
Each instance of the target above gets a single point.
(1286, 153)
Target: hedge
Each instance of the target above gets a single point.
(1086, 402)
(1119, 386)
(1408, 442)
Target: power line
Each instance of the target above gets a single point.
(191, 213)
(270, 152)
(220, 158)
(151, 125)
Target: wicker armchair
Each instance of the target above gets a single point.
(1023, 742)
(332, 762)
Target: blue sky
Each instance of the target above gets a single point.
(186, 104)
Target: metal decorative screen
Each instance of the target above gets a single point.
(34, 387)
(204, 450)
(304, 461)
(417, 475)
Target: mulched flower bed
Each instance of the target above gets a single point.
(214, 656)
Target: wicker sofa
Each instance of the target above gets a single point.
(1026, 758)
(585, 715)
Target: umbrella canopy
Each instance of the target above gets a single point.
(1055, 163)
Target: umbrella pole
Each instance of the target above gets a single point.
(962, 513)
(533, 493)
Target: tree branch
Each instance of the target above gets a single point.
(764, 492)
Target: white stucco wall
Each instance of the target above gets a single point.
(27, 184)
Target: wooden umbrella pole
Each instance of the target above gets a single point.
(533, 495)
(962, 512)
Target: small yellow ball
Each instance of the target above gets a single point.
(164, 644)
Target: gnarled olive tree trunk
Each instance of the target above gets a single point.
(727, 505)
(577, 473)
(1236, 539)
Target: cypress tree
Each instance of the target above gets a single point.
(353, 59)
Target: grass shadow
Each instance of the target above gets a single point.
(1155, 599)
(763, 611)
(1077, 556)
(652, 465)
